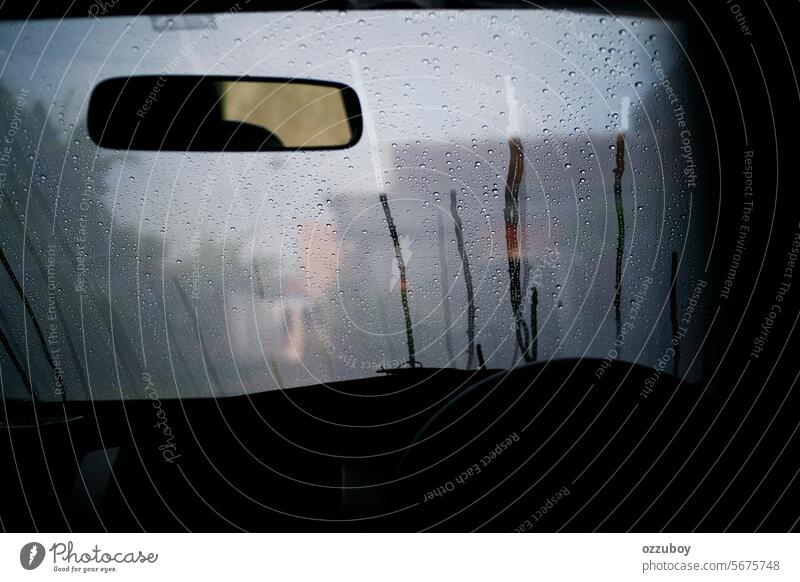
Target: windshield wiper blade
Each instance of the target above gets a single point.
(10, 351)
(32, 315)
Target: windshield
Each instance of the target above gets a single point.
(525, 189)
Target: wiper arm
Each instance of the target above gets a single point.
(35, 321)
(10, 351)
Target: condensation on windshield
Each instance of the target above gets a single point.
(525, 190)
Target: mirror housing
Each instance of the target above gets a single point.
(217, 113)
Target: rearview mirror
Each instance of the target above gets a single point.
(215, 114)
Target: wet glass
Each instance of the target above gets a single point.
(510, 147)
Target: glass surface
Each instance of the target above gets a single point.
(299, 114)
(229, 273)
